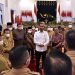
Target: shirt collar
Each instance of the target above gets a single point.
(41, 32)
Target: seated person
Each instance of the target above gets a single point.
(57, 63)
(20, 59)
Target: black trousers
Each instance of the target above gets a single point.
(31, 52)
(58, 48)
(38, 56)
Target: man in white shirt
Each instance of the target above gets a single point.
(41, 39)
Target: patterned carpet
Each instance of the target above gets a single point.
(32, 66)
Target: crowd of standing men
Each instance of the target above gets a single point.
(37, 41)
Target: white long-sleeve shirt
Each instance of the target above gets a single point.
(41, 38)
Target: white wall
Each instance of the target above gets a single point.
(6, 14)
(11, 4)
(65, 5)
(14, 4)
(73, 9)
(28, 7)
(4, 17)
(3, 2)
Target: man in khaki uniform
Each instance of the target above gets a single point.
(1, 43)
(8, 42)
(70, 47)
(4, 63)
(20, 59)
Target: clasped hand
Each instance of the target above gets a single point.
(41, 45)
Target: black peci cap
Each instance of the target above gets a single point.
(9, 23)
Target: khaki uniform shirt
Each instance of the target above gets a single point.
(8, 43)
(4, 64)
(71, 54)
(24, 71)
